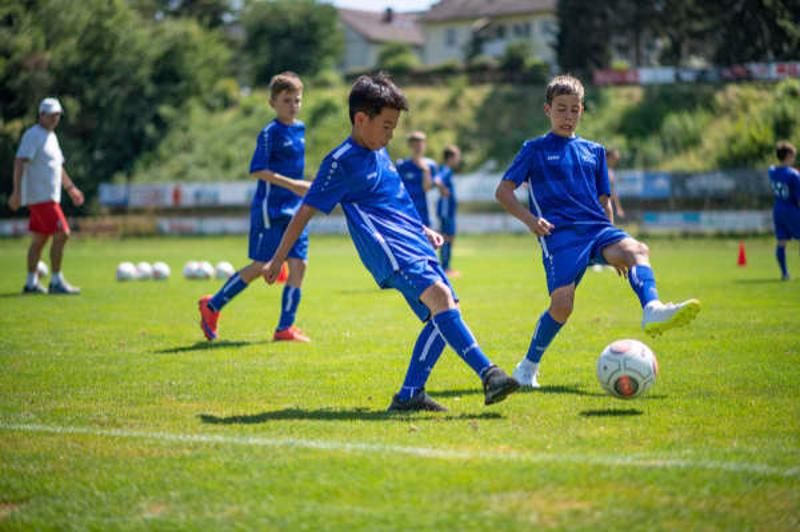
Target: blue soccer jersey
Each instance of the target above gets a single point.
(446, 207)
(382, 220)
(280, 149)
(565, 178)
(785, 182)
(412, 179)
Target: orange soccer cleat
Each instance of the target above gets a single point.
(208, 319)
(291, 334)
(284, 275)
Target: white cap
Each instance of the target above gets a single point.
(50, 106)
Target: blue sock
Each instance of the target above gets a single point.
(427, 351)
(780, 253)
(444, 256)
(546, 329)
(289, 303)
(643, 283)
(458, 336)
(232, 287)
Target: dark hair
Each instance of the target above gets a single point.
(563, 84)
(371, 93)
(783, 149)
(450, 151)
(285, 81)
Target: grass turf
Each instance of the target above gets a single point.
(115, 412)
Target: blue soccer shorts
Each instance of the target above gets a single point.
(567, 252)
(413, 280)
(264, 240)
(787, 223)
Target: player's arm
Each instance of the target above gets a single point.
(293, 231)
(605, 202)
(612, 179)
(15, 200)
(427, 179)
(505, 196)
(74, 192)
(298, 186)
(435, 238)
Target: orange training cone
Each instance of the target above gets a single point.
(742, 255)
(284, 275)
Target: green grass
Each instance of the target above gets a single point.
(115, 414)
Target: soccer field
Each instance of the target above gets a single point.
(115, 413)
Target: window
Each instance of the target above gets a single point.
(450, 37)
(500, 31)
(522, 29)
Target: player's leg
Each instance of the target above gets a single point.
(292, 292)
(447, 319)
(32, 284)
(59, 285)
(780, 255)
(562, 301)
(427, 350)
(658, 317)
(211, 306)
(444, 253)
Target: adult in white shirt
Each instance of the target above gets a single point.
(39, 174)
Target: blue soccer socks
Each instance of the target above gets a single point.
(289, 303)
(444, 255)
(643, 283)
(427, 351)
(546, 329)
(780, 254)
(452, 327)
(232, 287)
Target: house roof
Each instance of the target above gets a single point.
(446, 10)
(377, 26)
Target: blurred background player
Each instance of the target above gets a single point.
(446, 206)
(417, 173)
(278, 164)
(39, 174)
(394, 245)
(569, 209)
(785, 181)
(612, 160)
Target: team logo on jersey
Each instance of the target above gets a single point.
(553, 157)
(287, 143)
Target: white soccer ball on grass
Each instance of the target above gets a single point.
(42, 269)
(627, 369)
(204, 270)
(126, 271)
(161, 271)
(224, 269)
(190, 269)
(144, 271)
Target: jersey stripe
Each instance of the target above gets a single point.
(539, 214)
(378, 237)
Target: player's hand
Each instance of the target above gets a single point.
(272, 270)
(300, 187)
(434, 238)
(14, 201)
(541, 227)
(76, 195)
(620, 213)
(444, 191)
(622, 271)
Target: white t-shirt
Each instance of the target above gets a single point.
(42, 178)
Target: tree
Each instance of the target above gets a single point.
(298, 35)
(756, 30)
(583, 35)
(397, 58)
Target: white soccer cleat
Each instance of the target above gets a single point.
(525, 374)
(659, 317)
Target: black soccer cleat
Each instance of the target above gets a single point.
(497, 385)
(35, 289)
(420, 401)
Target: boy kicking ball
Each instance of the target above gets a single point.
(569, 209)
(392, 242)
(278, 164)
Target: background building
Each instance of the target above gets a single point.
(365, 32)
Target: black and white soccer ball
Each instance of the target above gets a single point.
(627, 368)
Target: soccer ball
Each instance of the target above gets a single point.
(627, 369)
(144, 271)
(126, 271)
(204, 270)
(190, 269)
(224, 270)
(42, 269)
(161, 271)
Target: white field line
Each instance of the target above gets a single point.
(422, 452)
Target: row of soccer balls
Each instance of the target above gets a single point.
(160, 271)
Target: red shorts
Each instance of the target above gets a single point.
(47, 218)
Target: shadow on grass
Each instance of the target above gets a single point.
(326, 414)
(612, 412)
(568, 389)
(771, 280)
(203, 346)
(15, 294)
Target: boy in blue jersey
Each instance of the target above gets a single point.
(785, 181)
(446, 206)
(417, 173)
(278, 163)
(391, 240)
(569, 209)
